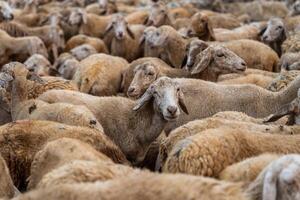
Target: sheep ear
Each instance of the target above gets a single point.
(131, 34)
(108, 29)
(210, 30)
(84, 16)
(182, 103)
(206, 58)
(269, 187)
(122, 86)
(146, 21)
(262, 31)
(142, 40)
(147, 96)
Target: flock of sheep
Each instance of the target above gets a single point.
(151, 99)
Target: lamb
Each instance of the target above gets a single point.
(167, 99)
(248, 169)
(261, 56)
(58, 153)
(212, 62)
(21, 140)
(231, 145)
(19, 48)
(80, 39)
(89, 24)
(83, 51)
(125, 41)
(80, 171)
(168, 44)
(7, 188)
(212, 98)
(38, 64)
(100, 74)
(22, 108)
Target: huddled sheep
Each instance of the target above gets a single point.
(150, 99)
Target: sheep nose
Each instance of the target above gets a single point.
(93, 122)
(265, 37)
(172, 110)
(120, 34)
(131, 90)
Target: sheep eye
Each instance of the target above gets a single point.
(150, 73)
(279, 27)
(178, 89)
(31, 69)
(221, 55)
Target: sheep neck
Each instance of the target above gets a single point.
(19, 94)
(208, 75)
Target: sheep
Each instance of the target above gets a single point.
(144, 186)
(6, 12)
(137, 17)
(248, 169)
(80, 39)
(222, 147)
(7, 188)
(257, 10)
(205, 99)
(102, 7)
(89, 24)
(283, 80)
(83, 51)
(218, 121)
(212, 62)
(20, 141)
(244, 32)
(168, 44)
(167, 99)
(58, 153)
(80, 171)
(292, 43)
(66, 65)
(22, 108)
(125, 41)
(100, 74)
(51, 35)
(295, 9)
(289, 61)
(38, 64)
(261, 56)
(19, 48)
(279, 180)
(159, 16)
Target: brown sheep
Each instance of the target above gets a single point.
(231, 145)
(158, 16)
(100, 74)
(78, 40)
(59, 152)
(38, 64)
(22, 139)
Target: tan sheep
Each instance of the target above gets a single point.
(137, 17)
(58, 153)
(209, 152)
(243, 32)
(125, 40)
(38, 64)
(100, 74)
(7, 188)
(22, 108)
(22, 139)
(248, 169)
(82, 171)
(256, 79)
(158, 15)
(66, 65)
(284, 79)
(78, 40)
(19, 48)
(131, 124)
(83, 51)
(290, 61)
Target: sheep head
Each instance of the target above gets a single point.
(120, 27)
(193, 49)
(6, 12)
(144, 75)
(83, 51)
(78, 17)
(220, 60)
(167, 98)
(158, 15)
(295, 9)
(37, 46)
(38, 64)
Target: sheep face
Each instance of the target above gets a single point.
(167, 98)
(220, 60)
(6, 12)
(68, 68)
(275, 31)
(295, 10)
(83, 51)
(281, 179)
(158, 15)
(38, 64)
(120, 27)
(193, 49)
(156, 38)
(77, 17)
(36, 46)
(144, 75)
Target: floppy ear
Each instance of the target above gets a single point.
(131, 34)
(262, 31)
(147, 96)
(84, 17)
(269, 188)
(142, 40)
(182, 103)
(108, 29)
(206, 58)
(210, 30)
